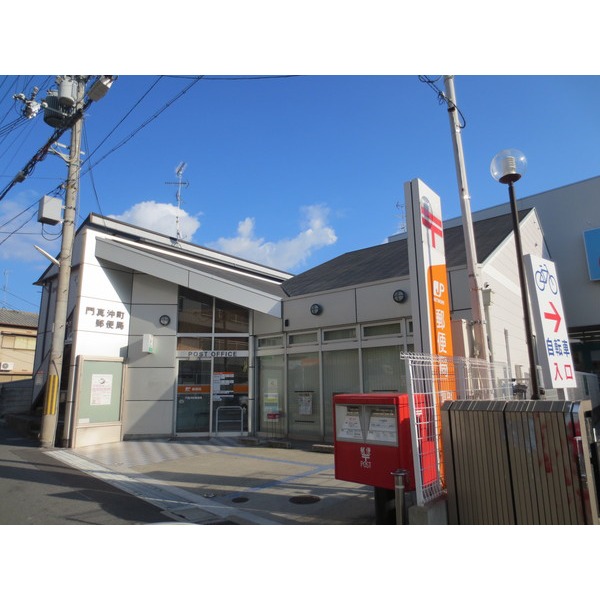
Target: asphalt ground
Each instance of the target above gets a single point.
(228, 481)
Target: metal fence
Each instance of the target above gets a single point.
(433, 380)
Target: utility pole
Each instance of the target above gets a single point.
(480, 338)
(51, 402)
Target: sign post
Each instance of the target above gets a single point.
(427, 260)
(554, 351)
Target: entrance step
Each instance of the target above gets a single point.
(325, 448)
(279, 444)
(250, 441)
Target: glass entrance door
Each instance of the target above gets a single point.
(193, 396)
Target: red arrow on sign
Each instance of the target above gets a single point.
(553, 316)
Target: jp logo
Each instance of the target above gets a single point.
(365, 453)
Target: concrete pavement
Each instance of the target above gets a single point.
(229, 481)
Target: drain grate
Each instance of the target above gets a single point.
(305, 499)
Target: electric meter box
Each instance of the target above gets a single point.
(50, 210)
(372, 439)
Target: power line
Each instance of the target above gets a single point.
(137, 103)
(41, 153)
(144, 124)
(442, 97)
(236, 78)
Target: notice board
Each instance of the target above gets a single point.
(99, 390)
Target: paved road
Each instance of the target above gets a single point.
(36, 489)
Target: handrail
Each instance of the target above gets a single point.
(229, 420)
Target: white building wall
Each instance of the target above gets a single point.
(376, 302)
(363, 304)
(151, 377)
(500, 275)
(565, 213)
(101, 323)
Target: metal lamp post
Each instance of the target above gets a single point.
(508, 167)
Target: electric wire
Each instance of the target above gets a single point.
(7, 305)
(144, 124)
(91, 173)
(41, 153)
(236, 78)
(22, 225)
(442, 98)
(58, 133)
(136, 104)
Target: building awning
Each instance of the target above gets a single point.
(224, 282)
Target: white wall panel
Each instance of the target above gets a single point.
(376, 302)
(148, 418)
(163, 355)
(339, 308)
(151, 290)
(150, 383)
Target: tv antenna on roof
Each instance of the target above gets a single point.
(179, 169)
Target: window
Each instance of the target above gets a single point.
(383, 329)
(200, 313)
(18, 342)
(303, 338)
(304, 402)
(195, 312)
(194, 343)
(230, 318)
(271, 342)
(383, 371)
(341, 374)
(334, 335)
(231, 343)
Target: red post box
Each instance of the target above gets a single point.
(373, 438)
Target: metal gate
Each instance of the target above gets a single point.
(523, 462)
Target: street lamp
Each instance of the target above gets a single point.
(508, 167)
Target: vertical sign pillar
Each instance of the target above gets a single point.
(427, 267)
(430, 298)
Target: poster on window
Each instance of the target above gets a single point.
(271, 406)
(101, 391)
(305, 403)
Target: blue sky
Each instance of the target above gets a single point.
(286, 171)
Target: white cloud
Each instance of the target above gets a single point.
(161, 218)
(283, 254)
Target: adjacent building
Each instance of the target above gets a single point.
(18, 331)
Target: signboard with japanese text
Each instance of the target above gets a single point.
(103, 316)
(554, 351)
(427, 259)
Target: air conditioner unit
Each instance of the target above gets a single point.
(6, 366)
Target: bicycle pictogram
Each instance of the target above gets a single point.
(543, 278)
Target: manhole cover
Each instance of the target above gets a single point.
(239, 499)
(304, 499)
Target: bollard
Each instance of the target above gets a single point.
(399, 475)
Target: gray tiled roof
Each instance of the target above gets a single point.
(390, 260)
(18, 318)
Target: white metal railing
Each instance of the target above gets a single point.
(432, 381)
(233, 418)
